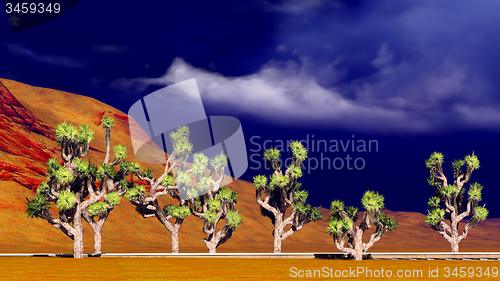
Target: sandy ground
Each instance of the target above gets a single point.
(235, 269)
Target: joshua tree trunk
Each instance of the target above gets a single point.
(212, 246)
(175, 239)
(97, 242)
(277, 244)
(356, 248)
(215, 238)
(278, 231)
(172, 227)
(358, 245)
(97, 227)
(78, 234)
(451, 231)
(455, 246)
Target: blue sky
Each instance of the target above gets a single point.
(418, 76)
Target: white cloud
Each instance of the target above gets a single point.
(283, 93)
(298, 7)
(397, 97)
(109, 49)
(384, 57)
(51, 59)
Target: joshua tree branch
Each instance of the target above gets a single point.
(288, 220)
(449, 206)
(373, 239)
(464, 234)
(291, 231)
(464, 214)
(265, 203)
(445, 231)
(164, 219)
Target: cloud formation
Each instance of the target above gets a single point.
(409, 66)
(56, 60)
(285, 92)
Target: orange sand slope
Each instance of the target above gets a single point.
(28, 115)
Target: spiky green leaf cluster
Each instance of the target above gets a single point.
(226, 195)
(192, 192)
(480, 214)
(63, 176)
(338, 227)
(472, 161)
(113, 199)
(298, 151)
(294, 171)
(168, 180)
(300, 196)
(66, 200)
(66, 132)
(130, 167)
(314, 214)
(475, 192)
(372, 201)
(204, 184)
(449, 190)
(105, 170)
(307, 212)
(183, 178)
(120, 152)
(260, 181)
(436, 159)
(214, 205)
(219, 162)
(98, 208)
(82, 166)
(457, 165)
(43, 188)
(279, 181)
(36, 206)
(200, 164)
(177, 212)
(52, 166)
(180, 141)
(124, 184)
(434, 202)
(233, 219)
(135, 192)
(211, 216)
(434, 217)
(85, 134)
(389, 223)
(107, 122)
(148, 173)
(336, 206)
(352, 212)
(272, 154)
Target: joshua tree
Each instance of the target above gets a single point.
(283, 191)
(208, 201)
(217, 205)
(111, 180)
(146, 200)
(450, 206)
(342, 228)
(71, 186)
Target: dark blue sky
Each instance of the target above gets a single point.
(417, 76)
